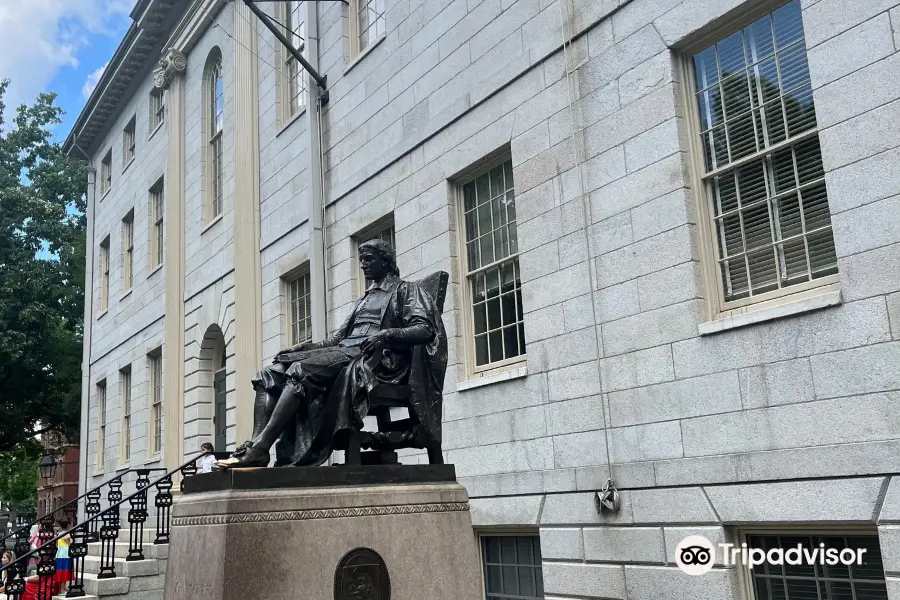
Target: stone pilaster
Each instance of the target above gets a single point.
(170, 76)
(248, 291)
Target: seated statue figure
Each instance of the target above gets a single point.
(314, 396)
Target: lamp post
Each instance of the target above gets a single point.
(48, 467)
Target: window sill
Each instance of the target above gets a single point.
(123, 467)
(126, 293)
(212, 224)
(153, 461)
(155, 270)
(103, 195)
(508, 375)
(290, 121)
(828, 297)
(102, 313)
(157, 128)
(125, 168)
(364, 54)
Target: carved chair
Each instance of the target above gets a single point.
(403, 433)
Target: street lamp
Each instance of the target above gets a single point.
(48, 467)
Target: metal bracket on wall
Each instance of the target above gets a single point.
(321, 80)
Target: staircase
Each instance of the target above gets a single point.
(134, 580)
(114, 551)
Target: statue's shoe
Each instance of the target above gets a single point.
(251, 457)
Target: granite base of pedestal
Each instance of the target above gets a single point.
(287, 534)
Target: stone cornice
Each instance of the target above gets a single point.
(136, 52)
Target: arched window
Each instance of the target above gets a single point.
(214, 101)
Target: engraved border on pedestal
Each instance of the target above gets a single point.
(329, 513)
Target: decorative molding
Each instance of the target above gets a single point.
(171, 64)
(326, 513)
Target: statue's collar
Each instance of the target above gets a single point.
(386, 284)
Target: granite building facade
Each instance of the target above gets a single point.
(673, 234)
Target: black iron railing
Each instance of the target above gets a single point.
(101, 526)
(70, 508)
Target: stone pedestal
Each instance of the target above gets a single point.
(291, 533)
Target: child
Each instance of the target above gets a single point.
(63, 562)
(208, 459)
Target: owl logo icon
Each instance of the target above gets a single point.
(695, 555)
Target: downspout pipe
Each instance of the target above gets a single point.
(87, 329)
(317, 248)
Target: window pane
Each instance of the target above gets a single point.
(512, 567)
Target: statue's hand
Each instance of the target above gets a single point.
(374, 342)
(297, 348)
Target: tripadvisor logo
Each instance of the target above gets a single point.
(695, 555)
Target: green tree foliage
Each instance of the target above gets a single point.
(19, 479)
(42, 211)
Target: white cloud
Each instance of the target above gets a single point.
(39, 37)
(92, 80)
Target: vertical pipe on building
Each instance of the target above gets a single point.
(247, 267)
(88, 328)
(317, 254)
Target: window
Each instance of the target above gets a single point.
(128, 142)
(157, 108)
(381, 231)
(215, 95)
(156, 224)
(106, 173)
(154, 361)
(293, 75)
(818, 582)
(762, 174)
(101, 430)
(512, 567)
(125, 395)
(104, 275)
(366, 24)
(300, 309)
(220, 393)
(496, 328)
(128, 251)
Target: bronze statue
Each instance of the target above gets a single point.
(390, 352)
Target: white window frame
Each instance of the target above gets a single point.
(472, 370)
(128, 252)
(356, 47)
(157, 109)
(155, 376)
(106, 173)
(125, 400)
(215, 139)
(745, 577)
(376, 230)
(129, 142)
(157, 209)
(290, 280)
(289, 83)
(718, 308)
(480, 534)
(101, 425)
(104, 275)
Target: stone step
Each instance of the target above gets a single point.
(105, 587)
(124, 568)
(144, 595)
(149, 535)
(121, 550)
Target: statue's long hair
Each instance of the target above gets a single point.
(384, 251)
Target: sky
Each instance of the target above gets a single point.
(60, 46)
